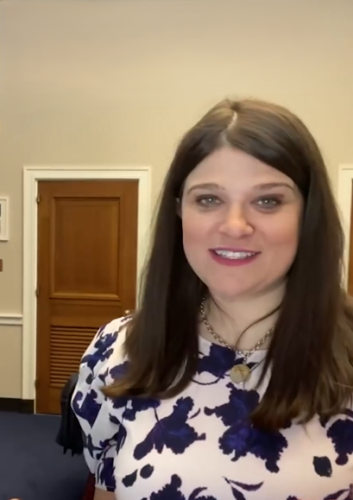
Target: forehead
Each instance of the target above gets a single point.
(230, 167)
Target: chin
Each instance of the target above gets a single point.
(229, 295)
(253, 290)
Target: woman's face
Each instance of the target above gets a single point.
(241, 222)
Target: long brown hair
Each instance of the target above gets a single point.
(311, 351)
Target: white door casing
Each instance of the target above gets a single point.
(31, 177)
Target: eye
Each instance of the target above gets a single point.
(208, 200)
(269, 202)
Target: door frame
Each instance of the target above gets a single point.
(344, 200)
(31, 176)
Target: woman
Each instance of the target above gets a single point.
(234, 378)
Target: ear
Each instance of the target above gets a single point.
(178, 206)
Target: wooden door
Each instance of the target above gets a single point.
(87, 253)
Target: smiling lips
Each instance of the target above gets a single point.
(233, 257)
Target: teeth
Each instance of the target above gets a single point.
(228, 254)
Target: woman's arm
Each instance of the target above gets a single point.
(94, 411)
(103, 495)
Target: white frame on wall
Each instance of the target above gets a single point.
(31, 177)
(344, 200)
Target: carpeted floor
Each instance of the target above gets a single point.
(32, 465)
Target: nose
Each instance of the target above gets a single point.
(235, 223)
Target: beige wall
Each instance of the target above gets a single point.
(117, 82)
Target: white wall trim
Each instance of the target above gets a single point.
(344, 200)
(9, 319)
(31, 176)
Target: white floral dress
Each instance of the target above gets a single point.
(200, 444)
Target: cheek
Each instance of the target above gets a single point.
(195, 229)
(285, 234)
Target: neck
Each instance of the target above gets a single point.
(230, 318)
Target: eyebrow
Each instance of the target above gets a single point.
(271, 185)
(207, 185)
(267, 185)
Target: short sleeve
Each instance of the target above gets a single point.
(94, 411)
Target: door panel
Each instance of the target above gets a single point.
(66, 346)
(87, 253)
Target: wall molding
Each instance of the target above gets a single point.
(9, 319)
(344, 200)
(31, 176)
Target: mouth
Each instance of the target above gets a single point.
(234, 255)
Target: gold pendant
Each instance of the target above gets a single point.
(239, 373)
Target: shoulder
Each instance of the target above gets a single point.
(106, 347)
(104, 355)
(114, 331)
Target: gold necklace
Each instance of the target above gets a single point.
(240, 372)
